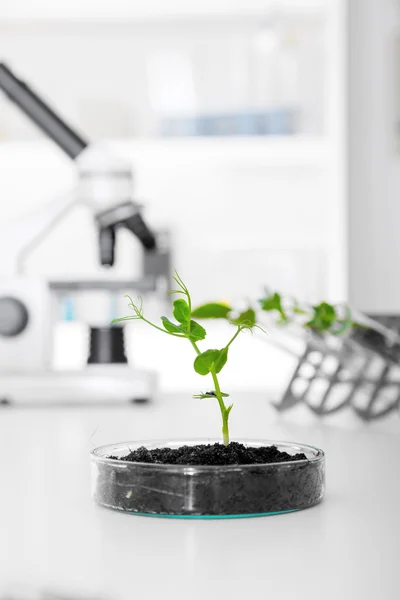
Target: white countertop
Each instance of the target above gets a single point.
(53, 537)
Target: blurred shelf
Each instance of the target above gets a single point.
(247, 152)
(220, 152)
(99, 10)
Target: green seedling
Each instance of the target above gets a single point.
(207, 362)
(320, 318)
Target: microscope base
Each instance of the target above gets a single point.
(94, 385)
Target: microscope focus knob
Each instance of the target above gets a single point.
(14, 316)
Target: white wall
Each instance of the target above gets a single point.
(374, 213)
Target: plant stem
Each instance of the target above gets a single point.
(222, 407)
(234, 337)
(149, 323)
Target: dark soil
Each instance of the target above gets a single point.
(211, 454)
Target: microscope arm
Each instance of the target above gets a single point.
(105, 183)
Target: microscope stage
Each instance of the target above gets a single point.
(94, 385)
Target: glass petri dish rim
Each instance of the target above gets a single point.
(100, 455)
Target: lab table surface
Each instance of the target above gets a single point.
(53, 537)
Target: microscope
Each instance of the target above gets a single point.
(28, 305)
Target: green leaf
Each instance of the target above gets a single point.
(204, 361)
(197, 332)
(172, 327)
(181, 312)
(220, 361)
(228, 409)
(324, 316)
(214, 310)
(209, 359)
(211, 394)
(273, 302)
(246, 318)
